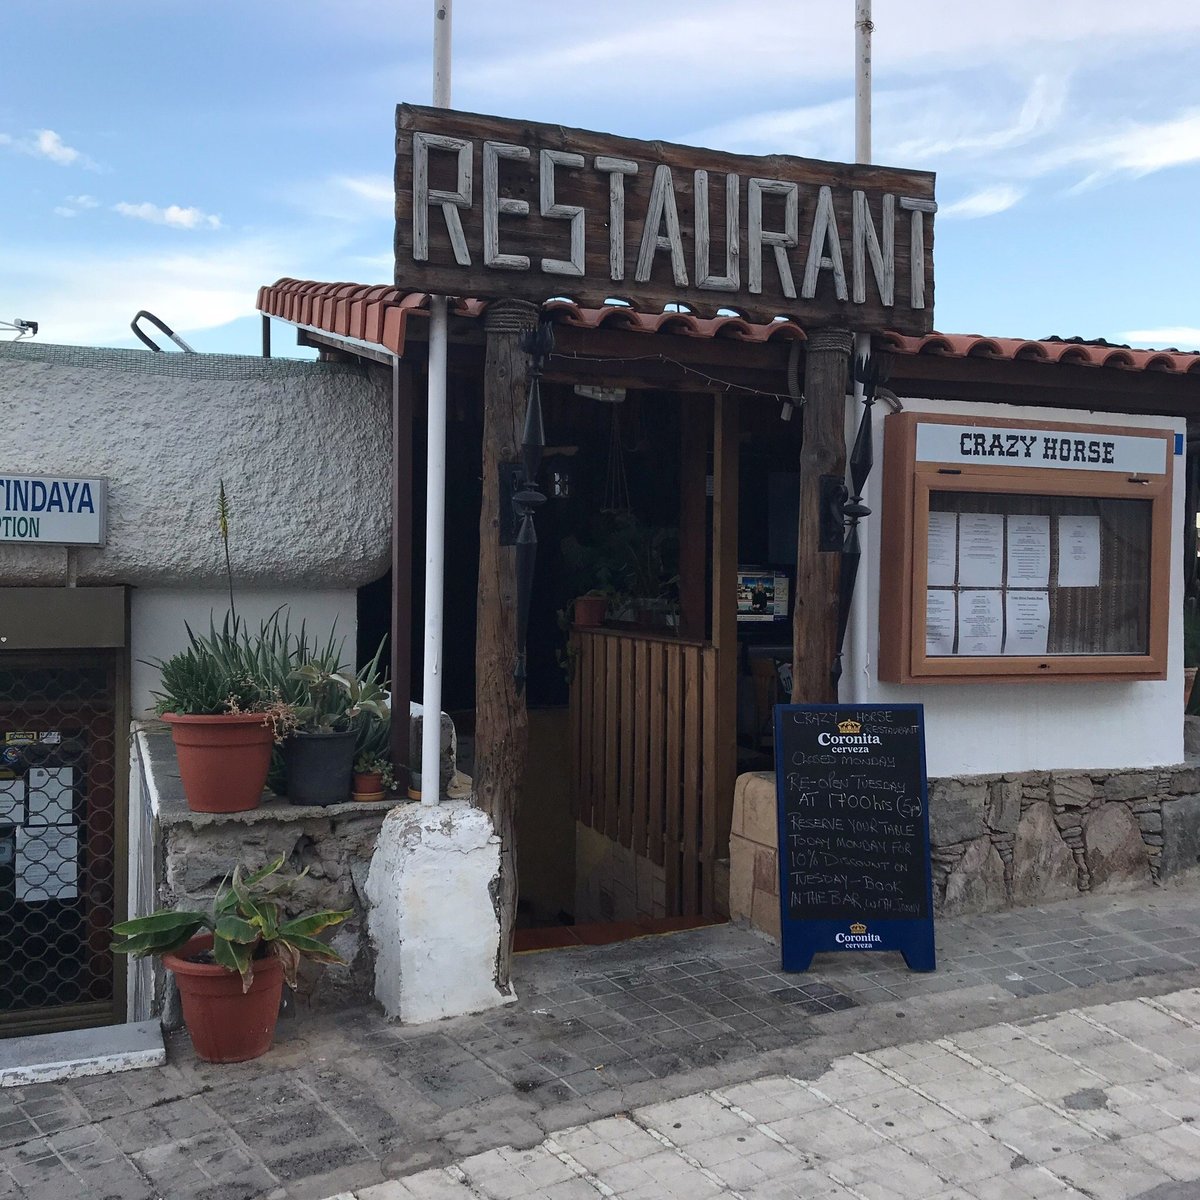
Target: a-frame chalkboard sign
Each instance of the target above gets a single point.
(853, 804)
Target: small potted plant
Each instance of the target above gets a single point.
(373, 777)
(319, 752)
(230, 962)
(223, 718)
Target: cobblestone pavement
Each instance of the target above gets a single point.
(345, 1101)
(1094, 1103)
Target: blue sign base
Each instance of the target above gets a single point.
(912, 938)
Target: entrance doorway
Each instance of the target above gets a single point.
(62, 838)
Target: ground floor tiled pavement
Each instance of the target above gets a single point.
(581, 1075)
(1096, 1102)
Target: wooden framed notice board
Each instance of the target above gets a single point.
(1023, 549)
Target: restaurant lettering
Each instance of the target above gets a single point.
(487, 206)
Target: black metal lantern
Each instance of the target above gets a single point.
(526, 496)
(872, 372)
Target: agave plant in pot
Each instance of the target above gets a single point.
(230, 962)
(319, 752)
(223, 718)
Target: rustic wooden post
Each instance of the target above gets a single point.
(693, 467)
(501, 723)
(726, 462)
(402, 514)
(818, 572)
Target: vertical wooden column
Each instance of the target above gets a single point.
(818, 572)
(501, 723)
(726, 455)
(693, 469)
(402, 514)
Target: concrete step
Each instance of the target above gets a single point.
(47, 1057)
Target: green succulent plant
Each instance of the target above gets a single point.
(247, 923)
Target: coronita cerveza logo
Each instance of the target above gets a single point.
(849, 738)
(858, 938)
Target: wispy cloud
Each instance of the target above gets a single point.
(963, 131)
(74, 205)
(173, 214)
(377, 190)
(986, 202)
(1182, 337)
(1134, 150)
(45, 143)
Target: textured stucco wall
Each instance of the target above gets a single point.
(304, 449)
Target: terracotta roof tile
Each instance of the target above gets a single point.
(378, 314)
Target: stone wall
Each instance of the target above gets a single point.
(1002, 841)
(334, 843)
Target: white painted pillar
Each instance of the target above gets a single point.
(858, 674)
(435, 465)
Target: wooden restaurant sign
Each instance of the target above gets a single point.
(492, 207)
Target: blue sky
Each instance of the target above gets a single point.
(176, 156)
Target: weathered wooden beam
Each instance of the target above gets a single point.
(501, 722)
(693, 517)
(402, 515)
(818, 571)
(726, 463)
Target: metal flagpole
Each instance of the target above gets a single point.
(435, 486)
(863, 28)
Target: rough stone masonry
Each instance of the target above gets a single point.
(1001, 841)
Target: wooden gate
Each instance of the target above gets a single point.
(646, 748)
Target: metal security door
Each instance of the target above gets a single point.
(62, 839)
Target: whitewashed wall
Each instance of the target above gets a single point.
(157, 617)
(304, 449)
(1006, 727)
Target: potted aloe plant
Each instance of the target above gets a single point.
(231, 961)
(319, 751)
(223, 717)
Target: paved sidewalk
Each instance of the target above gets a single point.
(346, 1100)
(1092, 1104)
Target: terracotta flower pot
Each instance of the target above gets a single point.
(223, 760)
(368, 785)
(226, 1024)
(590, 611)
(1189, 682)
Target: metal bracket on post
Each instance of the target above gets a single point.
(512, 476)
(832, 528)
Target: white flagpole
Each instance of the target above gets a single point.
(435, 473)
(859, 608)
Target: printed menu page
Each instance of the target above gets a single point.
(942, 554)
(939, 622)
(1028, 551)
(980, 622)
(980, 549)
(1027, 621)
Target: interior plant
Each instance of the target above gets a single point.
(231, 960)
(332, 704)
(223, 716)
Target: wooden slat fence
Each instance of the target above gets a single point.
(644, 737)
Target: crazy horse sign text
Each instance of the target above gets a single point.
(487, 206)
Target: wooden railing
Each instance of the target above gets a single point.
(645, 744)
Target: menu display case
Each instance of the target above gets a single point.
(1023, 549)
